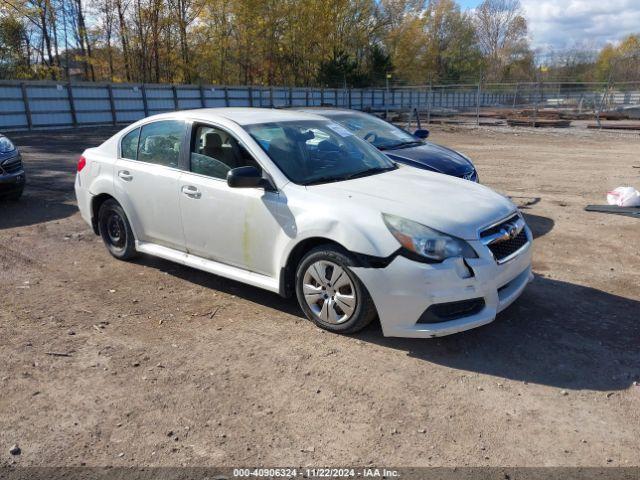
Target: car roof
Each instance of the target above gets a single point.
(240, 115)
(329, 111)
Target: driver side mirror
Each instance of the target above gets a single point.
(421, 133)
(248, 177)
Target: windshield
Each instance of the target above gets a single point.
(318, 151)
(374, 130)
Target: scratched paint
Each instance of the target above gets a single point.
(246, 234)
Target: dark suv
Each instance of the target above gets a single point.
(12, 177)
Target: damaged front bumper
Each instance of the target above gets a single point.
(465, 293)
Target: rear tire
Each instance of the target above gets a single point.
(115, 231)
(330, 294)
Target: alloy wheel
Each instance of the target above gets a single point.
(329, 292)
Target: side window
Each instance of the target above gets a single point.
(160, 142)
(129, 145)
(214, 152)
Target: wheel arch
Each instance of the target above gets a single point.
(288, 271)
(96, 203)
(297, 253)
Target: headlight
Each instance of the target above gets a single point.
(6, 146)
(427, 242)
(473, 174)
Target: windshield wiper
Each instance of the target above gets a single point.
(327, 179)
(369, 171)
(362, 173)
(401, 145)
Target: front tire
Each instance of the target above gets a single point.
(115, 231)
(15, 196)
(330, 294)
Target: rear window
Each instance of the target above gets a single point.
(160, 142)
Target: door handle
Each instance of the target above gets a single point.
(125, 175)
(191, 191)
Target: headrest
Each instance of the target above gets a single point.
(152, 143)
(327, 146)
(280, 143)
(212, 140)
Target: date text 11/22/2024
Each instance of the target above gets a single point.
(315, 472)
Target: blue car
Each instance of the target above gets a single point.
(400, 145)
(12, 177)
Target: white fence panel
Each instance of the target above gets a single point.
(34, 104)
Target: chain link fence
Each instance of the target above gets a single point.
(45, 105)
(536, 104)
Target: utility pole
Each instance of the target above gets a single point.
(429, 102)
(601, 105)
(478, 97)
(386, 102)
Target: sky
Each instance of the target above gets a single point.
(563, 24)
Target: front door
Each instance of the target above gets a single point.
(234, 226)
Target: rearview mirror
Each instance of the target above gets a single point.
(247, 177)
(421, 133)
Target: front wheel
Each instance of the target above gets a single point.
(330, 294)
(15, 196)
(115, 231)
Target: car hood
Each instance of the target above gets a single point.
(447, 204)
(7, 155)
(434, 157)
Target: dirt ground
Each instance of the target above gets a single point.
(150, 363)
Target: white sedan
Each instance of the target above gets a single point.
(296, 204)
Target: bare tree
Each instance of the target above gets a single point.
(186, 12)
(154, 15)
(53, 21)
(106, 12)
(42, 8)
(124, 37)
(63, 9)
(142, 27)
(501, 30)
(82, 37)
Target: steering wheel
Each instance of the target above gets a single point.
(371, 137)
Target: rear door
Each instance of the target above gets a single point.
(146, 180)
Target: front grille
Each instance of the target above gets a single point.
(12, 166)
(445, 312)
(503, 248)
(495, 229)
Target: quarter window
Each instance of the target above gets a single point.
(129, 145)
(214, 152)
(160, 142)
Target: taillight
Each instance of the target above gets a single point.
(82, 162)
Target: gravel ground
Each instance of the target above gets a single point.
(150, 363)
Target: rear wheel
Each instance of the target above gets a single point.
(115, 231)
(330, 294)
